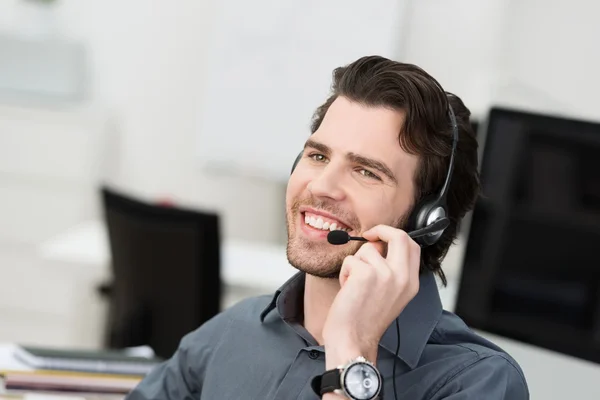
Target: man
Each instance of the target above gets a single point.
(380, 144)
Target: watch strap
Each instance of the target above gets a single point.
(326, 382)
(315, 384)
(330, 381)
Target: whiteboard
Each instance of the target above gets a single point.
(269, 66)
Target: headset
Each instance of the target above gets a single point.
(433, 208)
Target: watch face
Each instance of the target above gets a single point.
(361, 381)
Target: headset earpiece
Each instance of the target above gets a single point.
(434, 207)
(427, 212)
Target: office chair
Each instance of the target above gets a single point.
(166, 272)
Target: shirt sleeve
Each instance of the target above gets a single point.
(181, 376)
(491, 378)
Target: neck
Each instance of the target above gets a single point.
(319, 294)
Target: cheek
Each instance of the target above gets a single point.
(294, 188)
(379, 210)
(368, 213)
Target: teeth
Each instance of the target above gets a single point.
(320, 224)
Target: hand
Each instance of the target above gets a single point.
(374, 291)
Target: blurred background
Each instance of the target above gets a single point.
(145, 148)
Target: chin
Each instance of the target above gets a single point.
(322, 260)
(327, 271)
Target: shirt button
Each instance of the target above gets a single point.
(314, 354)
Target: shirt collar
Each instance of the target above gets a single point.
(416, 322)
(292, 304)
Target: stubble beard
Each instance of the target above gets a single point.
(318, 259)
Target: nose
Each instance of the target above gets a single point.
(327, 183)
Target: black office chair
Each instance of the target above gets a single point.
(166, 272)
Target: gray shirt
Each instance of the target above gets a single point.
(258, 349)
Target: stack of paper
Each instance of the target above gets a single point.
(109, 362)
(74, 374)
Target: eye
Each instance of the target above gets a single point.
(369, 174)
(318, 157)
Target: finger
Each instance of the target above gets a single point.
(379, 245)
(345, 271)
(352, 265)
(371, 254)
(380, 232)
(398, 242)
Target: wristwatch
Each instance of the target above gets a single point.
(357, 380)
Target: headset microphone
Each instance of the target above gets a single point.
(342, 237)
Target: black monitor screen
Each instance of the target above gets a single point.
(531, 269)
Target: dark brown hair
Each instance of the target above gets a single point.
(379, 82)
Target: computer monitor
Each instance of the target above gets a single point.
(166, 278)
(531, 270)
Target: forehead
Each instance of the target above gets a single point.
(369, 131)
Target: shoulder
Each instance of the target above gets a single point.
(453, 333)
(248, 309)
(473, 360)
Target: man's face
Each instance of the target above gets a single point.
(353, 175)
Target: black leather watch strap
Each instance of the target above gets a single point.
(330, 381)
(326, 383)
(315, 384)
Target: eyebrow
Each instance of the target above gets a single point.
(355, 158)
(323, 148)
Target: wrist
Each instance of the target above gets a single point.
(342, 352)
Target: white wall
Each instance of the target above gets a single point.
(532, 54)
(149, 66)
(551, 56)
(269, 63)
(457, 42)
(146, 61)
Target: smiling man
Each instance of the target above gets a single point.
(359, 320)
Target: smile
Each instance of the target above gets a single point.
(324, 223)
